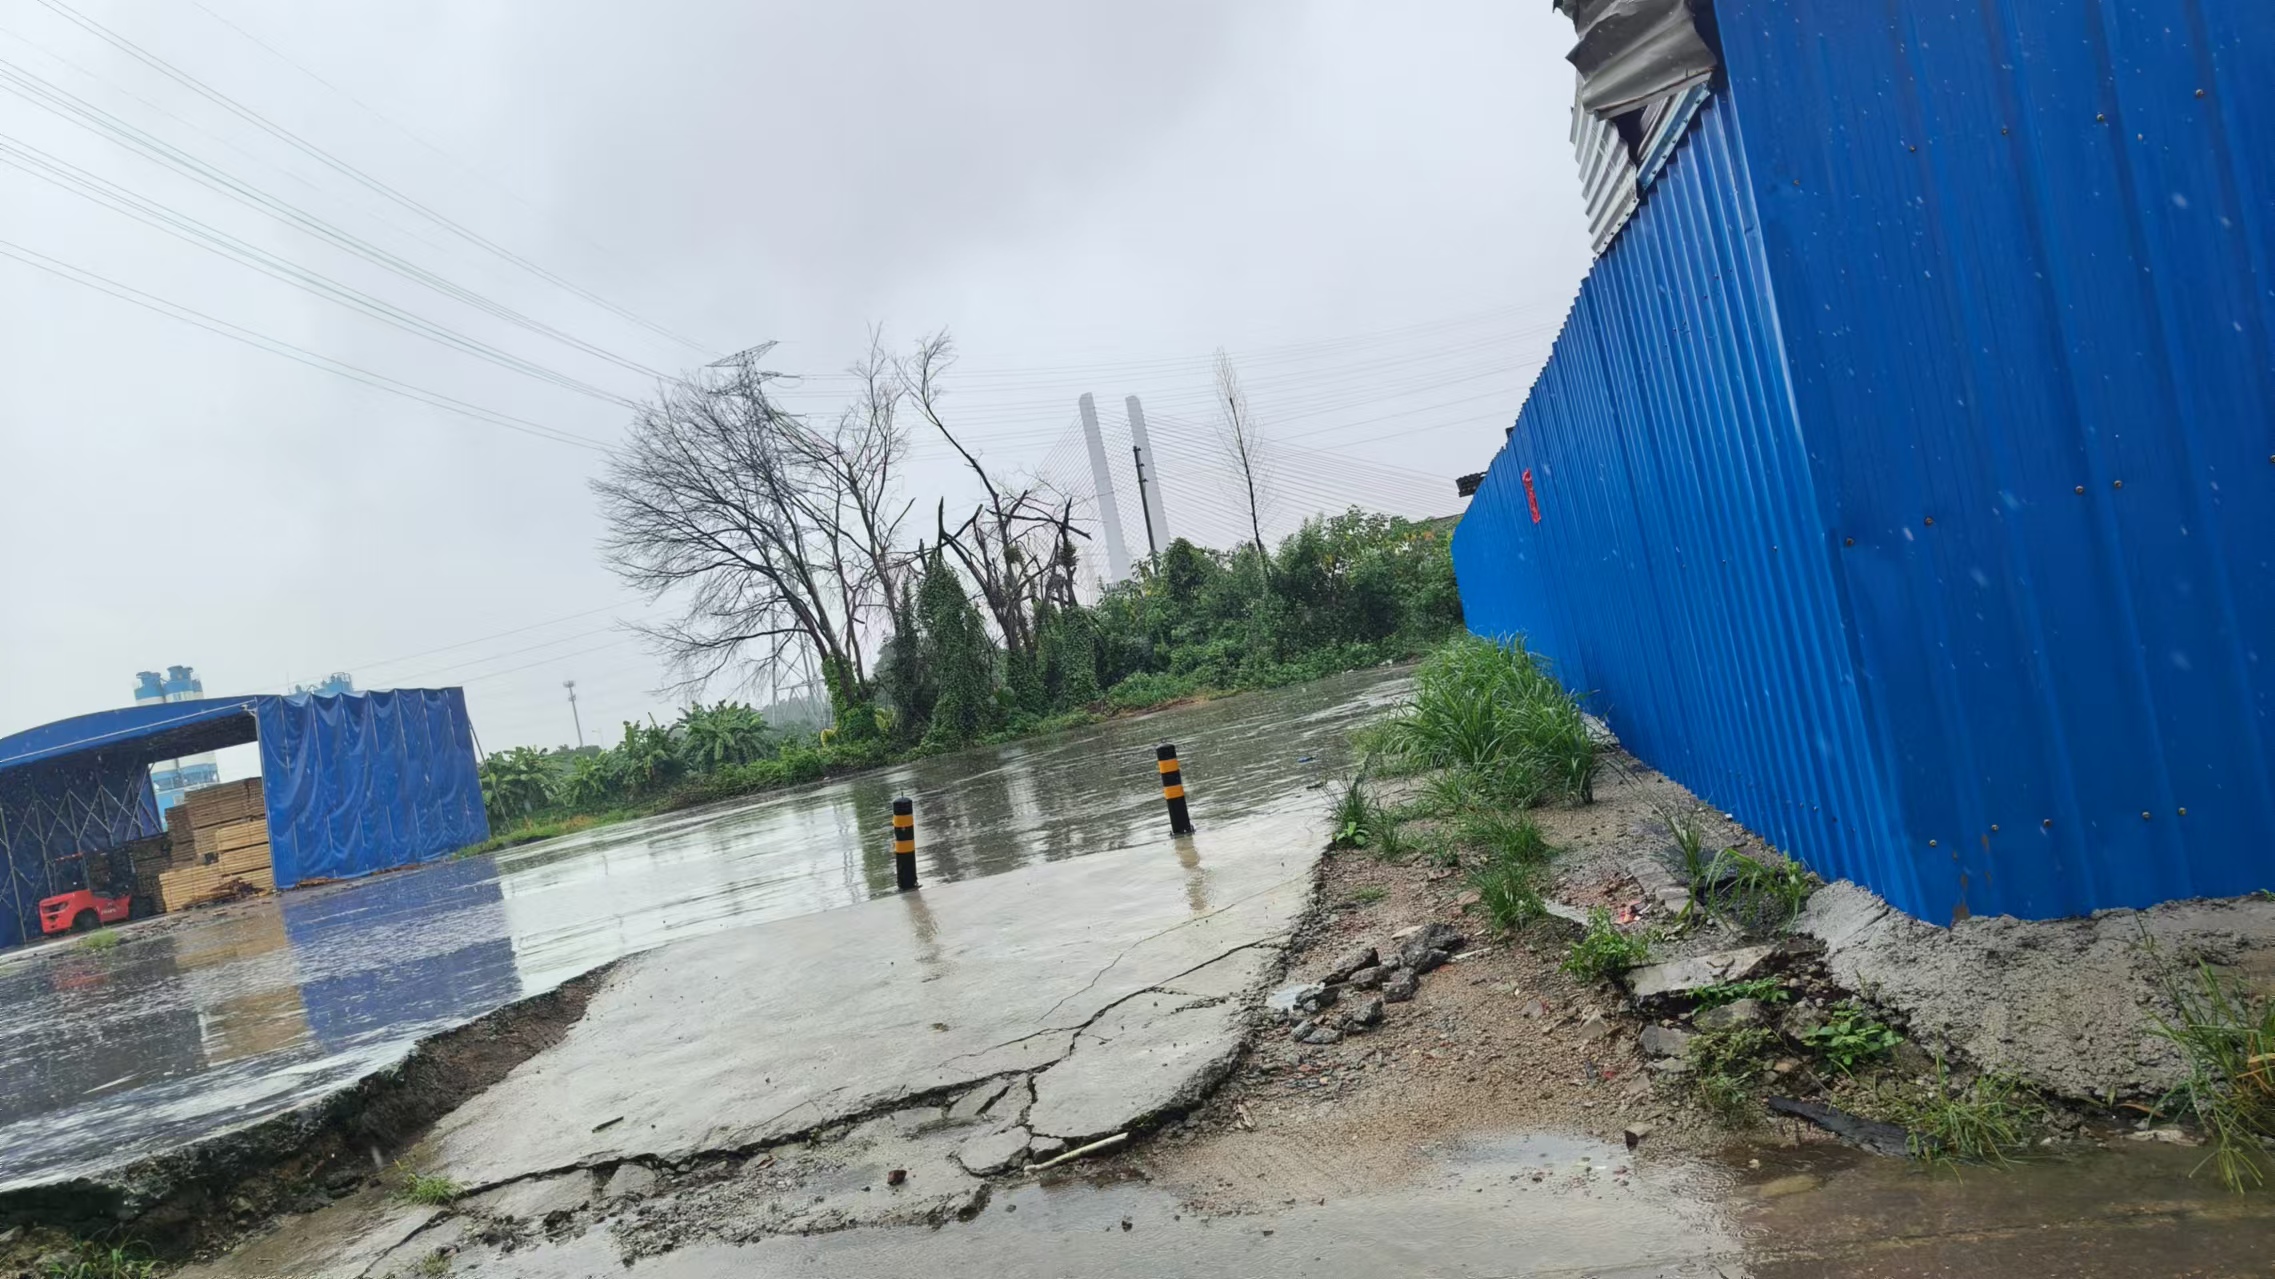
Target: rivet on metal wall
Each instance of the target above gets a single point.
(1931, 843)
(2002, 129)
(2081, 488)
(2184, 812)
(1930, 519)
(2048, 822)
(1915, 148)
(2100, 117)
(2144, 815)
(1994, 828)
(2116, 484)
(2199, 93)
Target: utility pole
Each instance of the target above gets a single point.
(1109, 514)
(1152, 548)
(574, 718)
(1149, 494)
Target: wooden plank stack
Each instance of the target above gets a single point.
(220, 836)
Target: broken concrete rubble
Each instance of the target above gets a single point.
(1681, 976)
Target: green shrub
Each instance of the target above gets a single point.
(1604, 952)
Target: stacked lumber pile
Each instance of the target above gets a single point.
(220, 836)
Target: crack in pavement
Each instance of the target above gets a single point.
(1160, 988)
(1122, 954)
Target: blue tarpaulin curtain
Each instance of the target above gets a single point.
(368, 781)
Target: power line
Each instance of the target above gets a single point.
(277, 346)
(333, 162)
(48, 96)
(92, 187)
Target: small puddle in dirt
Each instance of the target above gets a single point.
(210, 1020)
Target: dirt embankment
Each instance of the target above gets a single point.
(199, 1199)
(1501, 1038)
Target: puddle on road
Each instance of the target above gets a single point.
(203, 1022)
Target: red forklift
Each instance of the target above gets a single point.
(105, 895)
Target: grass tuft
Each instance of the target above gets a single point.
(1355, 817)
(1603, 952)
(1509, 893)
(1726, 1069)
(1367, 895)
(2227, 1035)
(1755, 895)
(131, 1261)
(1494, 713)
(1767, 990)
(1505, 836)
(100, 941)
(1988, 1121)
(429, 1189)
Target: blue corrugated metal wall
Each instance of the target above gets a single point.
(1810, 454)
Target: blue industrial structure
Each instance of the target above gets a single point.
(172, 779)
(1903, 480)
(353, 784)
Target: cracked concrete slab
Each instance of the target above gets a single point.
(1155, 1061)
(733, 1041)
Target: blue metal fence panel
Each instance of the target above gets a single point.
(2021, 258)
(1910, 459)
(1678, 574)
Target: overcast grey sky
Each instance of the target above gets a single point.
(1372, 207)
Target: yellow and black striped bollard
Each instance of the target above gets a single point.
(1173, 790)
(904, 842)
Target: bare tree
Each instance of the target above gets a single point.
(1237, 427)
(1018, 544)
(777, 538)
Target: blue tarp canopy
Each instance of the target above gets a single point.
(353, 784)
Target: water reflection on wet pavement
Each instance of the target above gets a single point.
(203, 1022)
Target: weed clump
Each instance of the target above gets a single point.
(93, 1262)
(1851, 1036)
(429, 1189)
(1495, 715)
(1754, 895)
(1987, 1121)
(1726, 1068)
(1356, 818)
(1603, 952)
(1766, 990)
(102, 941)
(1509, 893)
(2227, 1036)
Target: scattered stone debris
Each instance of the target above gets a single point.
(1664, 1041)
(1400, 985)
(1730, 1016)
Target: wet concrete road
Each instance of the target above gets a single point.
(211, 1020)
